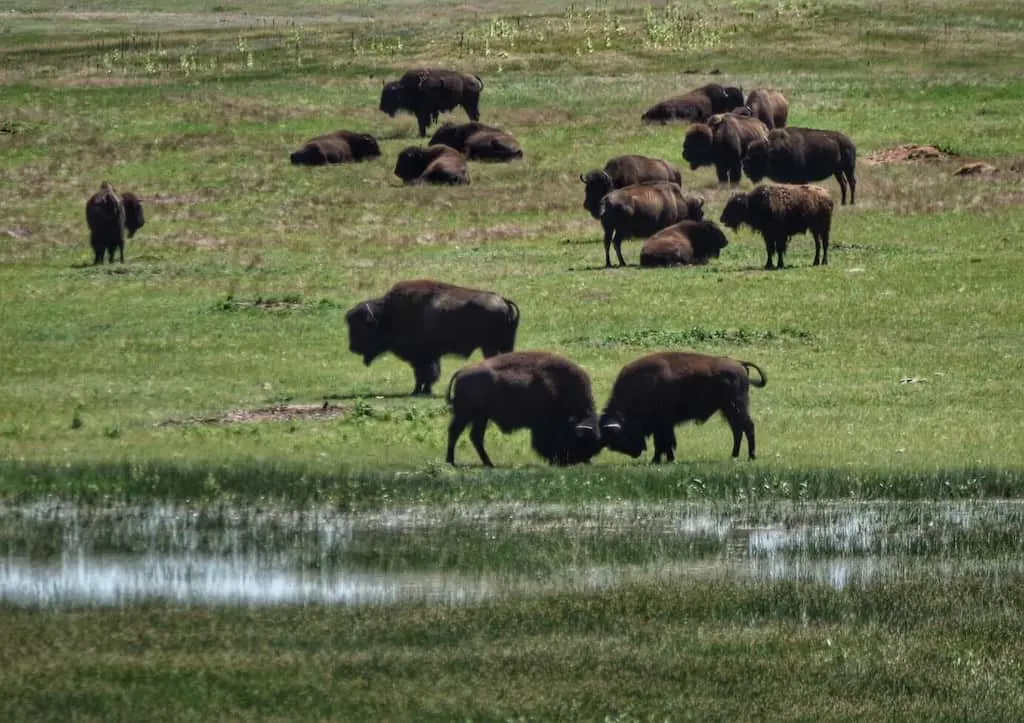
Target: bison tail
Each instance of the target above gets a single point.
(751, 365)
(451, 386)
(513, 314)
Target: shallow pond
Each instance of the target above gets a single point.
(57, 555)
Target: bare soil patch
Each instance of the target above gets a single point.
(908, 153)
(276, 413)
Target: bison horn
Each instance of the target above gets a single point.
(369, 313)
(611, 427)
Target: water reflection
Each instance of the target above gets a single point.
(59, 555)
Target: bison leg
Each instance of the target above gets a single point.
(476, 436)
(724, 173)
(824, 233)
(853, 184)
(608, 233)
(424, 120)
(769, 247)
(618, 248)
(427, 373)
(455, 429)
(842, 188)
(664, 443)
(98, 250)
(741, 423)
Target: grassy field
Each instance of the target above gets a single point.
(894, 373)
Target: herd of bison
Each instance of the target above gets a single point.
(633, 196)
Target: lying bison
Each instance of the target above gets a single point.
(769, 106)
(110, 217)
(433, 164)
(683, 244)
(622, 171)
(421, 321)
(478, 142)
(722, 142)
(641, 210)
(695, 106)
(539, 391)
(803, 155)
(781, 211)
(337, 147)
(655, 393)
(428, 92)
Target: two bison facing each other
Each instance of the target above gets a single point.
(111, 217)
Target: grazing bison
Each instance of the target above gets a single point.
(535, 390)
(421, 321)
(781, 211)
(478, 142)
(433, 164)
(426, 93)
(683, 244)
(695, 106)
(622, 171)
(643, 209)
(803, 155)
(769, 106)
(337, 147)
(110, 217)
(655, 393)
(722, 143)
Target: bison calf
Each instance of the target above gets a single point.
(643, 209)
(421, 321)
(478, 142)
(622, 171)
(781, 211)
(683, 243)
(110, 217)
(428, 92)
(655, 393)
(337, 147)
(804, 155)
(433, 164)
(695, 106)
(539, 391)
(722, 142)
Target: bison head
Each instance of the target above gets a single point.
(133, 216)
(411, 163)
(363, 145)
(698, 146)
(735, 212)
(733, 98)
(448, 135)
(365, 335)
(694, 207)
(391, 97)
(567, 441)
(598, 185)
(709, 241)
(622, 435)
(755, 162)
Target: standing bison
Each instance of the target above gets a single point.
(433, 164)
(421, 321)
(641, 210)
(781, 211)
(622, 171)
(478, 142)
(722, 142)
(539, 391)
(110, 217)
(337, 147)
(769, 106)
(428, 92)
(655, 393)
(683, 244)
(695, 106)
(803, 155)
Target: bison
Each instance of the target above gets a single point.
(110, 217)
(433, 164)
(769, 106)
(683, 243)
(643, 209)
(722, 143)
(535, 390)
(803, 155)
(655, 393)
(623, 171)
(428, 92)
(695, 106)
(337, 147)
(420, 321)
(478, 142)
(781, 211)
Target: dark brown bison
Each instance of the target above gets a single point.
(769, 106)
(478, 142)
(655, 393)
(722, 142)
(337, 147)
(803, 155)
(433, 164)
(781, 211)
(695, 106)
(684, 243)
(110, 217)
(535, 390)
(421, 321)
(643, 209)
(622, 171)
(428, 92)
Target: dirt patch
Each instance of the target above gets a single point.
(277, 413)
(977, 168)
(908, 153)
